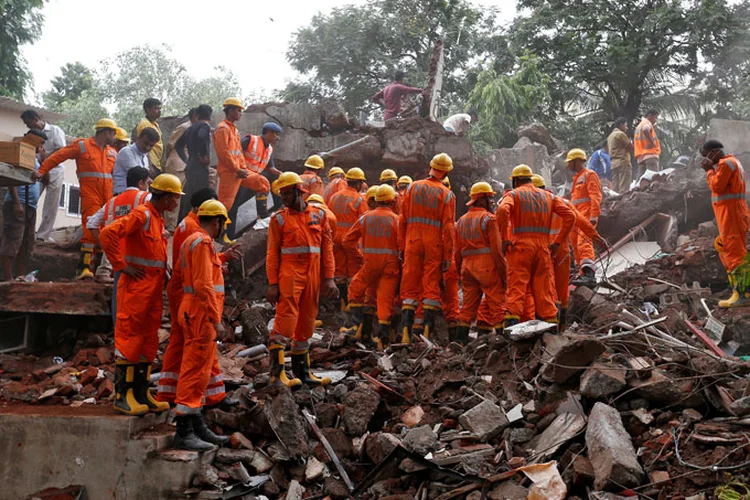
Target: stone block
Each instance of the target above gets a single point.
(601, 380)
(486, 420)
(569, 355)
(359, 407)
(421, 440)
(379, 445)
(610, 449)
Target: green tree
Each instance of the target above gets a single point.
(82, 113)
(74, 80)
(20, 23)
(354, 51)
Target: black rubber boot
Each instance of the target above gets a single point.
(407, 322)
(185, 437)
(562, 319)
(125, 400)
(261, 205)
(367, 328)
(508, 322)
(343, 295)
(452, 332)
(462, 334)
(278, 370)
(301, 369)
(142, 393)
(355, 331)
(204, 433)
(429, 322)
(384, 335)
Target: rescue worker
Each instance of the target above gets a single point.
(373, 289)
(401, 186)
(215, 394)
(645, 143)
(426, 240)
(390, 178)
(317, 200)
(311, 181)
(232, 169)
(529, 211)
(372, 191)
(449, 290)
(95, 160)
(479, 258)
(122, 139)
(561, 261)
(586, 197)
(336, 183)
(200, 315)
(298, 257)
(348, 205)
(136, 246)
(259, 158)
(726, 179)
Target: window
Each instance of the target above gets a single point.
(63, 192)
(74, 200)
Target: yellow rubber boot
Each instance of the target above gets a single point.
(125, 401)
(301, 369)
(142, 392)
(407, 322)
(84, 265)
(278, 371)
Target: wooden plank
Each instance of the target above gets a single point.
(14, 176)
(68, 298)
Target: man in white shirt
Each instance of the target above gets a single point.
(459, 124)
(53, 181)
(134, 155)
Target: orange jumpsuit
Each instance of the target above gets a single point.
(137, 239)
(312, 183)
(297, 242)
(231, 160)
(201, 308)
(332, 188)
(94, 167)
(348, 206)
(426, 238)
(727, 184)
(122, 204)
(379, 275)
(173, 356)
(586, 197)
(449, 294)
(530, 211)
(479, 256)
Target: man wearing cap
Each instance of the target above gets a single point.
(586, 197)
(95, 161)
(232, 169)
(311, 181)
(336, 183)
(152, 108)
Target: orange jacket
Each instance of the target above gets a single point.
(258, 154)
(348, 206)
(428, 213)
(298, 236)
(202, 279)
(185, 228)
(586, 196)
(477, 234)
(332, 188)
(727, 184)
(329, 217)
(122, 204)
(645, 141)
(582, 223)
(530, 211)
(378, 230)
(94, 165)
(136, 239)
(399, 202)
(228, 147)
(312, 182)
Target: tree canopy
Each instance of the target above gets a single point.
(20, 23)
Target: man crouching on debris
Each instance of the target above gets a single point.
(298, 238)
(200, 320)
(136, 246)
(726, 179)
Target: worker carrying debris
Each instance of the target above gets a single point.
(200, 315)
(299, 264)
(95, 161)
(426, 241)
(726, 179)
(136, 246)
(529, 210)
(311, 181)
(586, 197)
(479, 260)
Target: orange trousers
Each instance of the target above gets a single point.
(299, 294)
(530, 265)
(422, 275)
(376, 283)
(732, 221)
(347, 265)
(199, 356)
(229, 184)
(561, 264)
(93, 197)
(490, 318)
(172, 364)
(139, 307)
(583, 249)
(479, 277)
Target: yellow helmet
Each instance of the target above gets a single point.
(121, 134)
(478, 190)
(167, 183)
(287, 179)
(371, 192)
(315, 162)
(355, 174)
(537, 180)
(335, 171)
(447, 182)
(106, 123)
(233, 101)
(385, 193)
(404, 180)
(442, 162)
(316, 198)
(388, 175)
(521, 171)
(576, 154)
(212, 208)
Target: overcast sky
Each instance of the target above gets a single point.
(248, 36)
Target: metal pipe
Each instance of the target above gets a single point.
(329, 154)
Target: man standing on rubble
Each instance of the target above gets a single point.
(336, 183)
(726, 179)
(348, 205)
(586, 198)
(426, 242)
(197, 141)
(646, 145)
(136, 246)
(620, 147)
(152, 108)
(529, 212)
(390, 97)
(300, 265)
(311, 181)
(95, 161)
